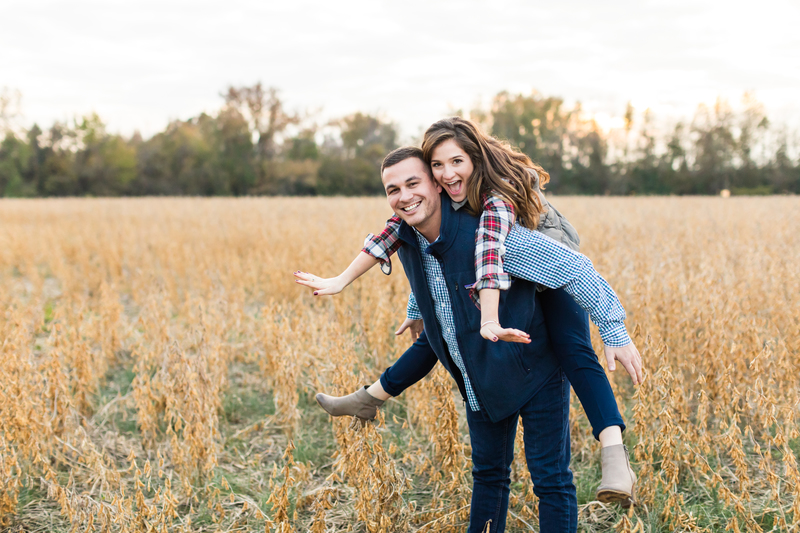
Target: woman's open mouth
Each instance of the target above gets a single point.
(454, 188)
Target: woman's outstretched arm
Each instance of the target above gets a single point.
(329, 286)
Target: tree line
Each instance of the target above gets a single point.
(253, 145)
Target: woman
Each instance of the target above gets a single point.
(502, 184)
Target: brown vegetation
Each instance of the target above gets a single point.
(158, 366)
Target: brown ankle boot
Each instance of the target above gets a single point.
(619, 481)
(359, 404)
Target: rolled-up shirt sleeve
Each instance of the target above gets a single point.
(538, 258)
(383, 245)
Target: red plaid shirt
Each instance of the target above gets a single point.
(496, 221)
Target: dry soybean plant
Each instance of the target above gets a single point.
(158, 366)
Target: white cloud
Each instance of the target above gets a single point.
(139, 64)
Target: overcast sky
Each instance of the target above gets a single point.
(139, 64)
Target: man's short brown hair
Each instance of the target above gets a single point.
(398, 155)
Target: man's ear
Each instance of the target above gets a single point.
(435, 183)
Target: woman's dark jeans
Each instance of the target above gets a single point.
(545, 419)
(568, 329)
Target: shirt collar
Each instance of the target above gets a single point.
(421, 238)
(458, 205)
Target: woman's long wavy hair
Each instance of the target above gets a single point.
(498, 169)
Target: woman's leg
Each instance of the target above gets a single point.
(568, 327)
(412, 366)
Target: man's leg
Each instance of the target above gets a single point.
(545, 420)
(492, 453)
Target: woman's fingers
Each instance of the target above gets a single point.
(515, 335)
(496, 333)
(321, 286)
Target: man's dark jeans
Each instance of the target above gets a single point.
(545, 420)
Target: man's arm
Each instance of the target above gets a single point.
(535, 257)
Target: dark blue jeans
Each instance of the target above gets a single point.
(545, 420)
(568, 328)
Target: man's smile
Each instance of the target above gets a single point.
(411, 207)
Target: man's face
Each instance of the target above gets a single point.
(412, 193)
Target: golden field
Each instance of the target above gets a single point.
(159, 365)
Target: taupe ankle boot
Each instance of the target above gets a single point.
(359, 404)
(619, 481)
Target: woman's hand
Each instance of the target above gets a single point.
(495, 332)
(320, 286)
(629, 356)
(414, 328)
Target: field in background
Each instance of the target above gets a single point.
(158, 367)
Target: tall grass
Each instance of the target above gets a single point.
(158, 366)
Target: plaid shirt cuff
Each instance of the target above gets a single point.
(412, 310)
(614, 334)
(372, 248)
(501, 281)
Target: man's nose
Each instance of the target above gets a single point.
(405, 194)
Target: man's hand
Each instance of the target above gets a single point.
(414, 328)
(320, 286)
(629, 356)
(495, 332)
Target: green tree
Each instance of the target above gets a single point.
(14, 155)
(538, 126)
(105, 164)
(352, 165)
(714, 148)
(182, 160)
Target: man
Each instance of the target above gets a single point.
(501, 382)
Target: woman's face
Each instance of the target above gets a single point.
(452, 169)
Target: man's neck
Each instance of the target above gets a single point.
(431, 226)
(429, 231)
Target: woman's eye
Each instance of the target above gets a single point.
(456, 161)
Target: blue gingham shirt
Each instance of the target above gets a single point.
(444, 313)
(532, 256)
